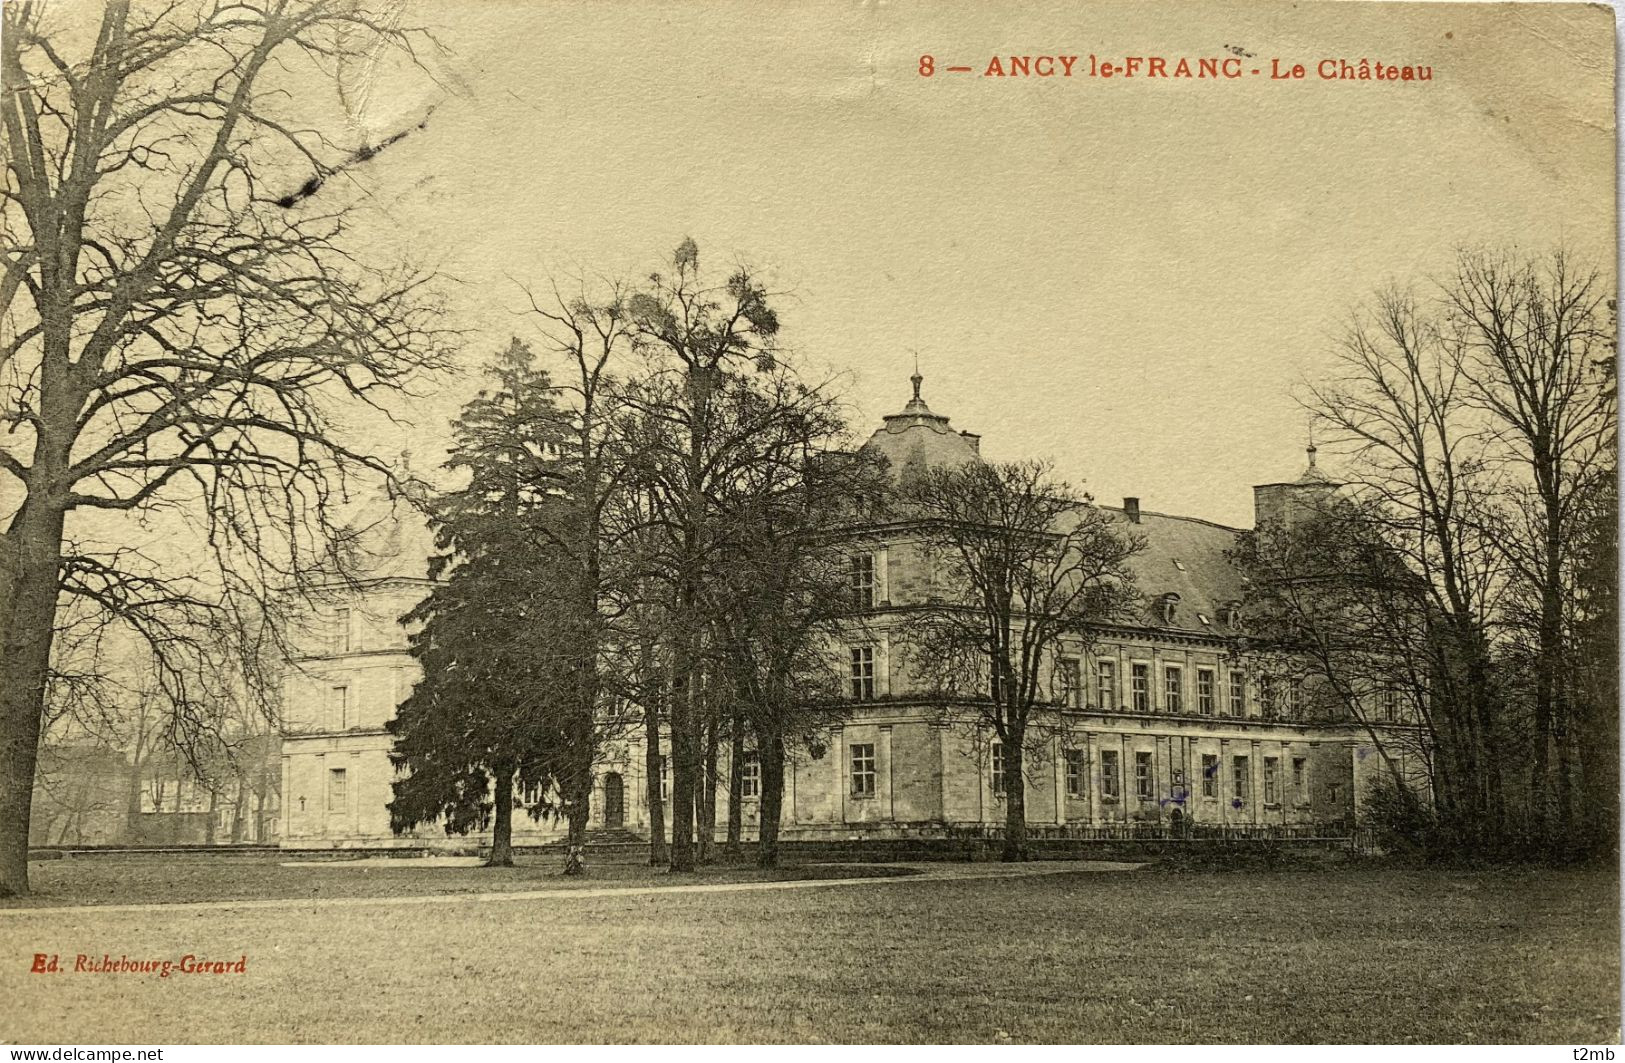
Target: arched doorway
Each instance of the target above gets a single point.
(614, 801)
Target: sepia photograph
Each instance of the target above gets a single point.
(847, 522)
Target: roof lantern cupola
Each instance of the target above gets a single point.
(917, 404)
(918, 434)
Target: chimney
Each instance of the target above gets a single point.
(1131, 506)
(973, 439)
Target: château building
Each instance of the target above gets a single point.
(1167, 719)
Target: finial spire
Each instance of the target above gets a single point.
(917, 379)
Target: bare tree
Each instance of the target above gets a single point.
(188, 323)
(1479, 424)
(1398, 404)
(1539, 339)
(591, 336)
(1334, 607)
(782, 598)
(639, 648)
(1026, 561)
(698, 337)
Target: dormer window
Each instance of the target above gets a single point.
(1230, 614)
(1167, 606)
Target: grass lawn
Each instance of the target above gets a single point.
(162, 879)
(1366, 955)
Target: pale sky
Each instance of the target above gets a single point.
(1126, 276)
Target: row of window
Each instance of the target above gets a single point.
(1278, 698)
(1111, 783)
(750, 776)
(1209, 699)
(863, 774)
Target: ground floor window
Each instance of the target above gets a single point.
(1272, 784)
(1210, 775)
(863, 769)
(1075, 768)
(1142, 776)
(1111, 778)
(750, 775)
(337, 786)
(1239, 778)
(1300, 779)
(998, 768)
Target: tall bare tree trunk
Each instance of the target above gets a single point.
(575, 842)
(682, 771)
(502, 827)
(658, 854)
(707, 810)
(1548, 648)
(1015, 795)
(132, 803)
(1596, 741)
(771, 753)
(577, 785)
(214, 808)
(684, 744)
(238, 806)
(30, 555)
(736, 782)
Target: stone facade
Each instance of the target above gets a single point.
(1163, 720)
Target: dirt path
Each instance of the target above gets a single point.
(927, 872)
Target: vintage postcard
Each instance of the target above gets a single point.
(529, 521)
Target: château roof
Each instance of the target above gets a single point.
(1186, 556)
(1183, 556)
(919, 435)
